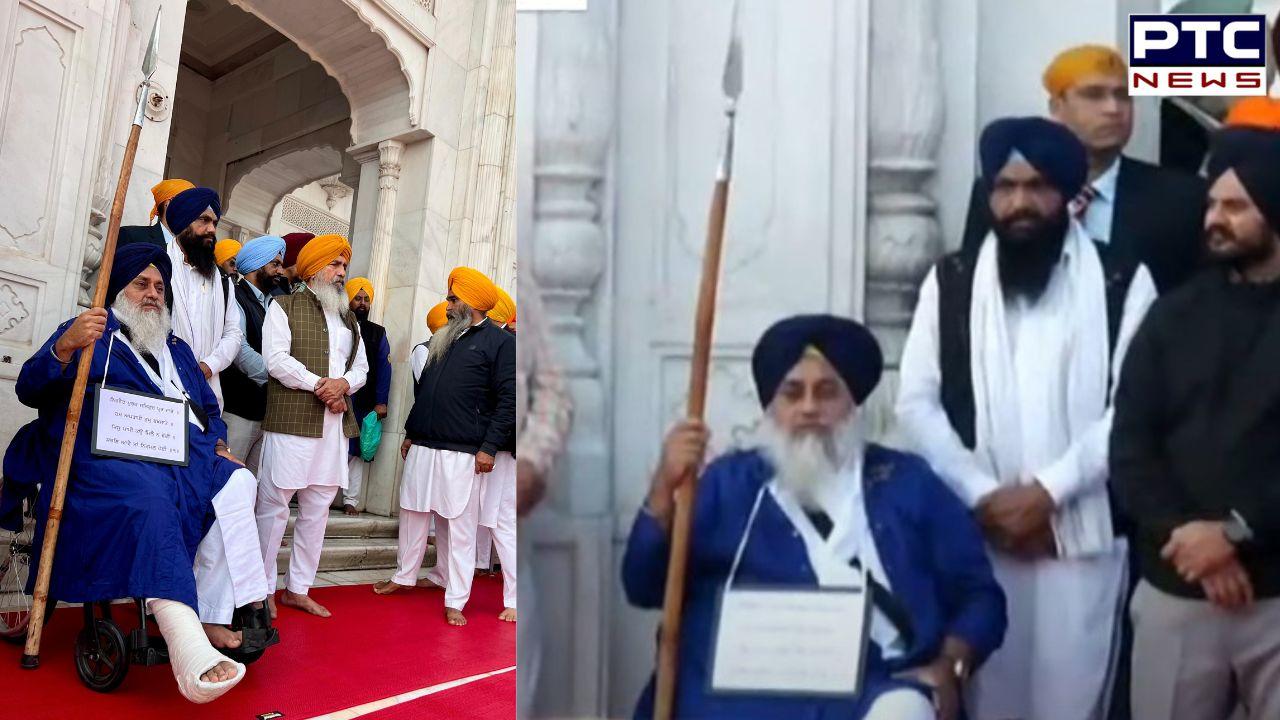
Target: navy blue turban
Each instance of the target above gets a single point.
(187, 205)
(850, 348)
(129, 263)
(1053, 150)
(1254, 153)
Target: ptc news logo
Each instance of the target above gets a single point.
(1197, 55)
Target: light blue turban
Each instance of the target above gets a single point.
(258, 252)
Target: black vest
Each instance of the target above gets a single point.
(244, 397)
(955, 296)
(367, 396)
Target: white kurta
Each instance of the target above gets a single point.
(1056, 659)
(208, 321)
(291, 461)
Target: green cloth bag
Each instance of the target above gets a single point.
(370, 436)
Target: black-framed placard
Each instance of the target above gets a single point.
(140, 426)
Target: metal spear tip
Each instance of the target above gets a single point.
(149, 60)
(732, 82)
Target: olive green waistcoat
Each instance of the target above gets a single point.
(300, 412)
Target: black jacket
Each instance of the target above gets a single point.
(243, 396)
(467, 400)
(140, 233)
(1158, 220)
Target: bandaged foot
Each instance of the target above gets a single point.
(507, 615)
(203, 673)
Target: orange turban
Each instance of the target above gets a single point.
(319, 252)
(1256, 112)
(437, 317)
(504, 309)
(355, 285)
(164, 191)
(1074, 64)
(473, 288)
(224, 250)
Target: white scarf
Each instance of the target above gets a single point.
(1079, 353)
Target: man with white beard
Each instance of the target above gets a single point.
(316, 360)
(1007, 377)
(464, 412)
(815, 506)
(137, 527)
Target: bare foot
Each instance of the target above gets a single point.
(454, 617)
(303, 603)
(426, 583)
(221, 672)
(386, 587)
(271, 605)
(350, 510)
(221, 636)
(507, 615)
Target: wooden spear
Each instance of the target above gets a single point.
(673, 598)
(31, 653)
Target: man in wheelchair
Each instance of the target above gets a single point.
(182, 537)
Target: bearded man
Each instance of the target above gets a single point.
(1007, 377)
(464, 412)
(132, 527)
(811, 506)
(158, 232)
(205, 313)
(316, 360)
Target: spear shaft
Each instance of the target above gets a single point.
(35, 623)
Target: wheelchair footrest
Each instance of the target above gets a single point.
(147, 650)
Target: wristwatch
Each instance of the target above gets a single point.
(1236, 529)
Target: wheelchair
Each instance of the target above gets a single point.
(103, 653)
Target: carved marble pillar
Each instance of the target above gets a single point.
(364, 208)
(389, 152)
(490, 138)
(903, 237)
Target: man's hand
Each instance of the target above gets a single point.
(404, 448)
(381, 411)
(484, 463)
(939, 675)
(1198, 549)
(330, 390)
(207, 372)
(224, 451)
(86, 328)
(682, 456)
(337, 407)
(531, 487)
(1016, 514)
(1229, 587)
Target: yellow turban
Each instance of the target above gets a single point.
(319, 252)
(504, 309)
(1256, 112)
(473, 288)
(164, 191)
(224, 250)
(1074, 64)
(355, 285)
(436, 317)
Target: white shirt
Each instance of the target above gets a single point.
(168, 235)
(1102, 209)
(292, 462)
(207, 321)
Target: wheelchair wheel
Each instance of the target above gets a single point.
(102, 659)
(15, 568)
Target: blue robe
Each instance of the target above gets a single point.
(930, 547)
(130, 528)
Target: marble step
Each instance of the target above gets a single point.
(341, 553)
(363, 525)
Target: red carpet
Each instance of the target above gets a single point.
(485, 699)
(373, 647)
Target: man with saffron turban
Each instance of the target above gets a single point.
(1150, 213)
(224, 255)
(1007, 377)
(181, 536)
(159, 232)
(812, 506)
(464, 413)
(373, 397)
(316, 361)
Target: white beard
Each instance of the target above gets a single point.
(807, 461)
(444, 337)
(332, 298)
(148, 328)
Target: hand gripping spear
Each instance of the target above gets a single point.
(31, 654)
(673, 599)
